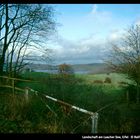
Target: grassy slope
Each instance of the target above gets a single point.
(115, 78)
(82, 92)
(79, 90)
(87, 95)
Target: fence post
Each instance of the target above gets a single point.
(94, 123)
(26, 94)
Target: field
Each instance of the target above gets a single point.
(115, 77)
(42, 115)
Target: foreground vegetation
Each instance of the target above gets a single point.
(41, 115)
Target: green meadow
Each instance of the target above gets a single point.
(41, 115)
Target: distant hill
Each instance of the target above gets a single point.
(92, 68)
(42, 66)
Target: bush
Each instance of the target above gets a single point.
(65, 69)
(107, 80)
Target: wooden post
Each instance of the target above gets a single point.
(94, 123)
(26, 94)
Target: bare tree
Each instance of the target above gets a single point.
(125, 56)
(23, 26)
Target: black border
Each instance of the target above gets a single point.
(34, 136)
(68, 136)
(72, 1)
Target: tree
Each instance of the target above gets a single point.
(23, 26)
(65, 69)
(125, 56)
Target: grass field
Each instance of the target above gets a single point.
(115, 78)
(78, 90)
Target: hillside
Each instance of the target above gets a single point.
(78, 68)
(91, 68)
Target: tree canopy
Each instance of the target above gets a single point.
(23, 26)
(125, 55)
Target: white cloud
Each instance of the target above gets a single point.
(100, 15)
(91, 49)
(115, 35)
(86, 50)
(94, 9)
(137, 22)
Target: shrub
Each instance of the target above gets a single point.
(65, 69)
(107, 80)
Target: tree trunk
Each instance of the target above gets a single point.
(1, 65)
(2, 59)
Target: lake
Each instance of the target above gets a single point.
(56, 71)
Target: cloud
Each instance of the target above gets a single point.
(100, 15)
(115, 35)
(137, 22)
(103, 27)
(94, 9)
(91, 49)
(86, 50)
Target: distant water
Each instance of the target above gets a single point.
(82, 72)
(56, 71)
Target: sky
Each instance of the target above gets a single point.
(86, 30)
